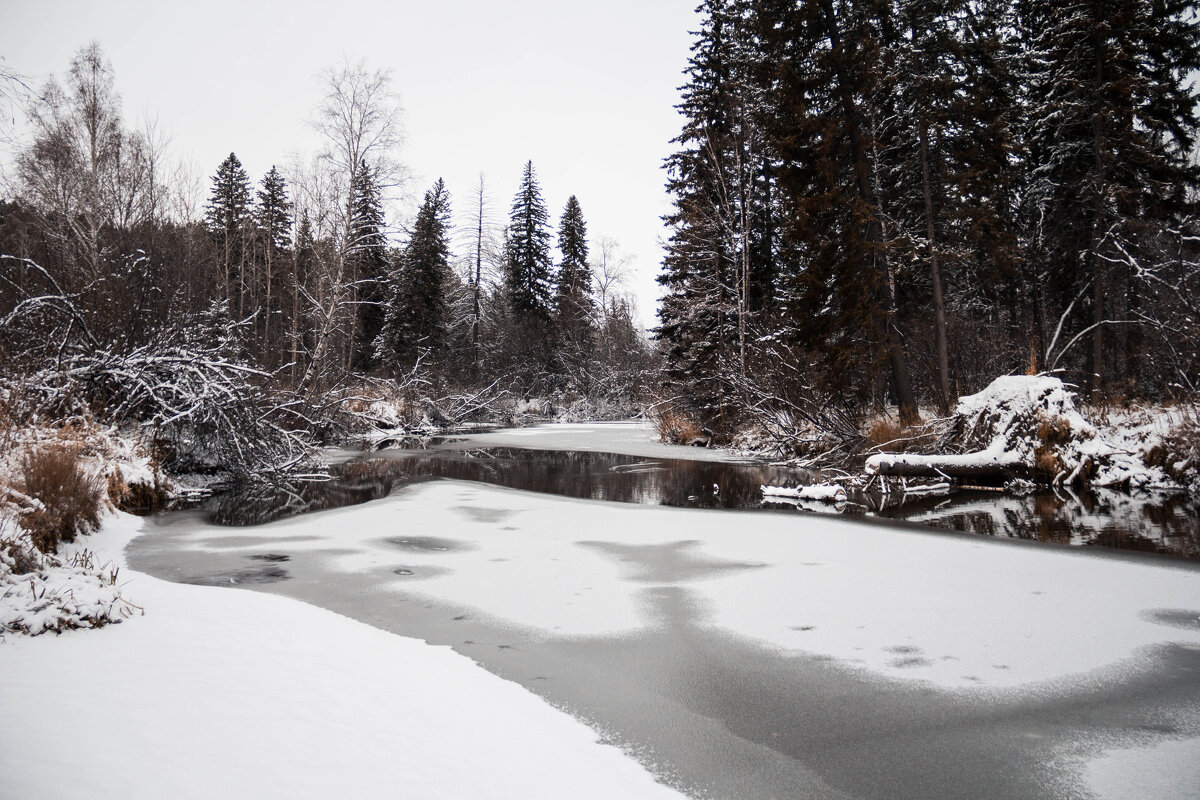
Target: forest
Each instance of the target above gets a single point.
(886, 204)
(245, 321)
(878, 206)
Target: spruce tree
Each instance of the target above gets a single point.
(1111, 111)
(527, 277)
(368, 264)
(273, 217)
(227, 215)
(574, 306)
(417, 313)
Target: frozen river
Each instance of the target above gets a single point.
(749, 655)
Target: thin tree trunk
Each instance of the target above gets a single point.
(939, 307)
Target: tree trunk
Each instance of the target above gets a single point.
(909, 412)
(939, 308)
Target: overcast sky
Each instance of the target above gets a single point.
(585, 90)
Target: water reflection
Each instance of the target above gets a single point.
(1162, 524)
(1168, 524)
(592, 476)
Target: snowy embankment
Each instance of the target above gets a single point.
(1028, 426)
(226, 693)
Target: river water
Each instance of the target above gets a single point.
(1160, 522)
(708, 707)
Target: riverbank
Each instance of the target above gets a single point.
(227, 693)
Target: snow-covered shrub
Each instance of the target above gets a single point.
(41, 592)
(187, 380)
(1178, 453)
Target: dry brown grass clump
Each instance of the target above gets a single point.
(674, 425)
(884, 432)
(70, 499)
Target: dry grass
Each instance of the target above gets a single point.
(884, 432)
(1179, 452)
(70, 499)
(674, 425)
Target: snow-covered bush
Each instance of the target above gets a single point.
(187, 380)
(44, 592)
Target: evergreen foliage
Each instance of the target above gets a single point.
(367, 263)
(861, 186)
(528, 277)
(574, 307)
(417, 313)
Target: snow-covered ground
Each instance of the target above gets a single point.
(247, 694)
(955, 610)
(220, 693)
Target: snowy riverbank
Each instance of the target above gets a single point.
(225, 693)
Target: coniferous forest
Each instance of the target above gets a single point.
(891, 203)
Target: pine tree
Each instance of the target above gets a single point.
(227, 215)
(417, 313)
(574, 307)
(528, 278)
(368, 265)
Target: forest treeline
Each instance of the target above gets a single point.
(886, 202)
(118, 274)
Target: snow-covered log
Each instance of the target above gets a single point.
(994, 462)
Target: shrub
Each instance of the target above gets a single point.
(70, 498)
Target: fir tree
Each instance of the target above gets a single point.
(417, 314)
(1111, 122)
(528, 278)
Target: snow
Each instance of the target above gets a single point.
(1168, 770)
(822, 492)
(225, 693)
(956, 610)
(637, 438)
(1004, 420)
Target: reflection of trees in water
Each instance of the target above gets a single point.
(1152, 523)
(595, 476)
(1167, 524)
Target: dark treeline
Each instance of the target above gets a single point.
(894, 201)
(298, 274)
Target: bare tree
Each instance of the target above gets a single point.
(360, 121)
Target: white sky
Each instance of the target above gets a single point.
(586, 90)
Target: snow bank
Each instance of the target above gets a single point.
(224, 693)
(40, 593)
(1029, 425)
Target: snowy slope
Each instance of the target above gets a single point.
(225, 693)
